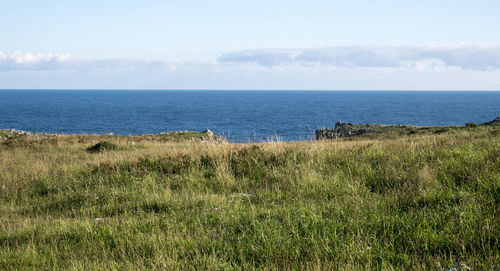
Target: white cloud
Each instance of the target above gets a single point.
(478, 57)
(32, 61)
(49, 61)
(465, 56)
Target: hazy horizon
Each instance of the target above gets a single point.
(252, 90)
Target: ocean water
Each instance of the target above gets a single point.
(241, 116)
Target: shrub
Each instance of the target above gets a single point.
(102, 146)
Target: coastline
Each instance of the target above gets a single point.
(341, 130)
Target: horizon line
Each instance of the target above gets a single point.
(214, 89)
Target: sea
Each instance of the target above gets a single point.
(240, 116)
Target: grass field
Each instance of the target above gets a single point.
(419, 201)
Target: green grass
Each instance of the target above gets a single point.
(412, 202)
(180, 137)
(383, 131)
(5, 133)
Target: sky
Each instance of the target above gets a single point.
(320, 45)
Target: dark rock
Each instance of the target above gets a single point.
(349, 129)
(343, 129)
(496, 121)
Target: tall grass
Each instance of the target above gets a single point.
(410, 202)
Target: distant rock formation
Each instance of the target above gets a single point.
(208, 133)
(496, 121)
(209, 136)
(347, 129)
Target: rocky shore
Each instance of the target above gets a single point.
(496, 121)
(349, 129)
(341, 130)
(204, 136)
(11, 133)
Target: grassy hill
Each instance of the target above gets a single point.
(416, 201)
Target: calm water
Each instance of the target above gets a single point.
(239, 115)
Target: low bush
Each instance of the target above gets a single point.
(102, 146)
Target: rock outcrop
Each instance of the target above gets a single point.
(209, 136)
(496, 121)
(347, 129)
(343, 129)
(208, 133)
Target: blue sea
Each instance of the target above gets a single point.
(241, 116)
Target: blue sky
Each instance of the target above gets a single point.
(387, 44)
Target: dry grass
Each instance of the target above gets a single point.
(410, 202)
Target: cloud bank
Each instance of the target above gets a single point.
(52, 61)
(475, 57)
(480, 57)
